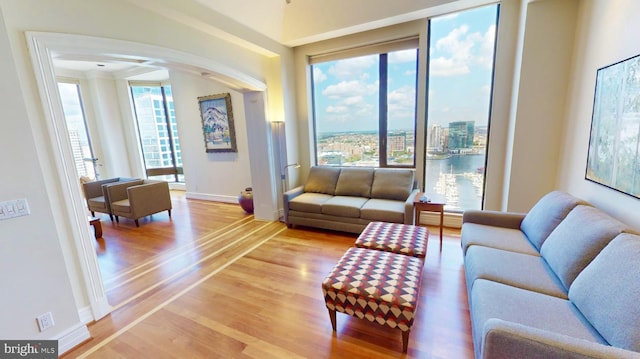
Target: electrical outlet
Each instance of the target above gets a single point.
(45, 321)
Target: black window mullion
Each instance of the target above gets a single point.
(382, 111)
(170, 132)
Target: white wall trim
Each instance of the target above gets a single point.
(85, 315)
(72, 337)
(74, 216)
(211, 197)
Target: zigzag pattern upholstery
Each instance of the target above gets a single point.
(395, 238)
(379, 286)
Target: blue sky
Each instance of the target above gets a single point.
(461, 55)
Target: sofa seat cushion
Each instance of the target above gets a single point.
(516, 269)
(383, 210)
(577, 240)
(121, 206)
(496, 237)
(546, 214)
(608, 289)
(496, 300)
(395, 184)
(322, 179)
(309, 202)
(97, 203)
(354, 182)
(343, 206)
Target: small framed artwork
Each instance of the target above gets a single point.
(217, 123)
(614, 147)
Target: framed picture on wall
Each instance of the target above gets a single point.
(217, 123)
(614, 146)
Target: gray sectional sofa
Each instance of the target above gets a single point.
(348, 198)
(561, 281)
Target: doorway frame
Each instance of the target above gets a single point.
(72, 222)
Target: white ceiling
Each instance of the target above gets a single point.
(285, 22)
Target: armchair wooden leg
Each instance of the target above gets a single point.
(93, 214)
(169, 213)
(137, 223)
(110, 216)
(117, 219)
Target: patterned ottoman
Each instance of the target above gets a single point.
(396, 238)
(379, 286)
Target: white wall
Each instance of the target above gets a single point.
(212, 176)
(606, 33)
(538, 104)
(33, 248)
(33, 276)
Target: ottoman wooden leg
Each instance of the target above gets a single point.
(405, 341)
(332, 316)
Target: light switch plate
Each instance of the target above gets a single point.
(14, 208)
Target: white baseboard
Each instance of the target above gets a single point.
(86, 316)
(211, 197)
(72, 337)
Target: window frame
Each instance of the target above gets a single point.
(382, 50)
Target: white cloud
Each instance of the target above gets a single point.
(337, 109)
(353, 100)
(318, 75)
(349, 88)
(403, 56)
(402, 103)
(353, 67)
(442, 66)
(485, 58)
(460, 50)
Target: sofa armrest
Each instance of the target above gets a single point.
(287, 197)
(503, 339)
(408, 207)
(493, 218)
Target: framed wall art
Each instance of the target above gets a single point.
(614, 145)
(217, 123)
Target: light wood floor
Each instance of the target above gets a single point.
(214, 283)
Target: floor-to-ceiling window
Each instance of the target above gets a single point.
(365, 106)
(460, 79)
(158, 131)
(77, 127)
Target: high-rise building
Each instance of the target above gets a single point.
(397, 142)
(461, 134)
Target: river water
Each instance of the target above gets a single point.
(460, 178)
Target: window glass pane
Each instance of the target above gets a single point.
(77, 128)
(402, 71)
(346, 106)
(156, 129)
(460, 72)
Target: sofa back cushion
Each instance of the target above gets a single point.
(322, 179)
(393, 184)
(607, 292)
(354, 182)
(546, 214)
(577, 240)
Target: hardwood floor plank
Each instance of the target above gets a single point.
(213, 282)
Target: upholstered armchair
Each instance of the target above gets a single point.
(97, 196)
(139, 198)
